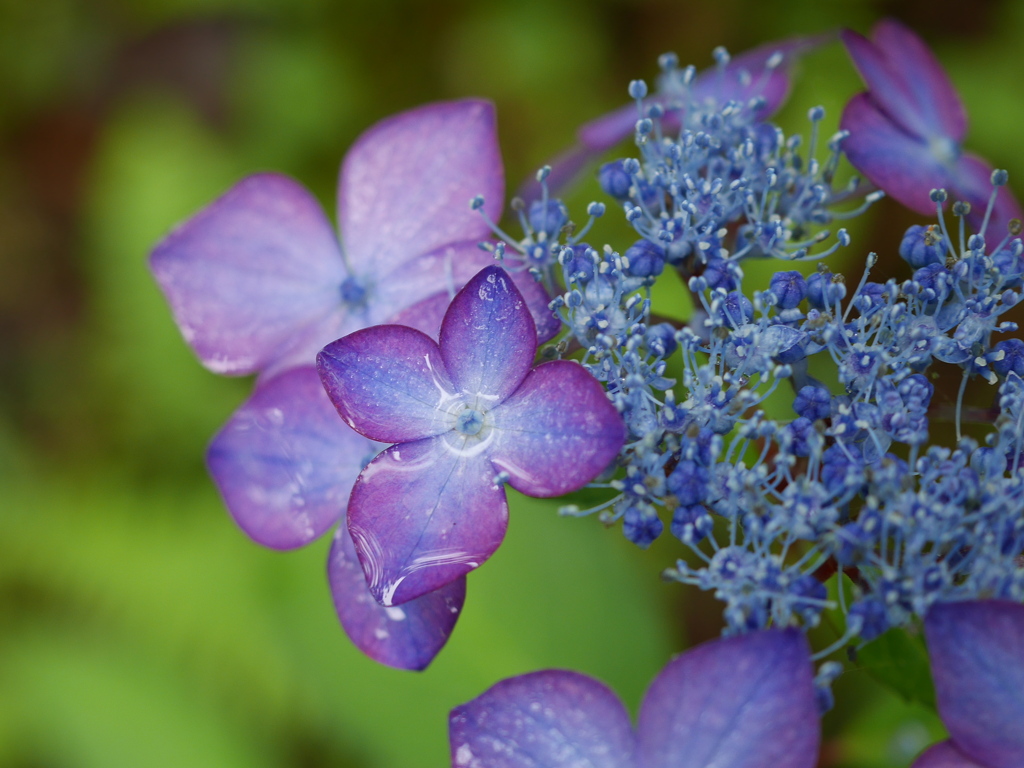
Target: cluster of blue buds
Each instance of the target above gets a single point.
(785, 434)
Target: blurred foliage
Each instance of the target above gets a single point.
(138, 627)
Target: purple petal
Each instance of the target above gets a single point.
(974, 184)
(388, 382)
(977, 656)
(548, 719)
(944, 755)
(488, 339)
(285, 462)
(927, 83)
(739, 702)
(250, 273)
(901, 165)
(889, 89)
(429, 282)
(605, 132)
(406, 184)
(557, 432)
(406, 637)
(423, 514)
(747, 76)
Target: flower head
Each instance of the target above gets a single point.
(259, 282)
(906, 130)
(466, 415)
(740, 702)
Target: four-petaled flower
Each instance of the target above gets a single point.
(977, 657)
(906, 130)
(738, 702)
(466, 415)
(258, 282)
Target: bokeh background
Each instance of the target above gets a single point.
(138, 627)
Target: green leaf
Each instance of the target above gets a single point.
(899, 660)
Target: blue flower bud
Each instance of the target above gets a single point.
(1007, 356)
(615, 180)
(688, 482)
(641, 526)
(579, 265)
(691, 524)
(661, 339)
(645, 259)
(813, 402)
(872, 617)
(822, 292)
(548, 218)
(922, 246)
(789, 289)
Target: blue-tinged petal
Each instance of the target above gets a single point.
(945, 755)
(488, 339)
(927, 83)
(557, 432)
(906, 168)
(738, 702)
(389, 383)
(973, 183)
(890, 90)
(977, 656)
(285, 462)
(252, 275)
(423, 514)
(405, 637)
(548, 719)
(406, 183)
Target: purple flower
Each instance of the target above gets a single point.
(906, 130)
(758, 78)
(259, 282)
(465, 415)
(977, 657)
(738, 702)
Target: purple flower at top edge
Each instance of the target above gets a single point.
(906, 130)
(465, 415)
(743, 79)
(258, 281)
(977, 657)
(738, 702)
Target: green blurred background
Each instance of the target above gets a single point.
(138, 627)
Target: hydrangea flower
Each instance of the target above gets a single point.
(465, 415)
(977, 657)
(906, 130)
(258, 282)
(738, 702)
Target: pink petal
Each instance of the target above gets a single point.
(926, 81)
(738, 702)
(894, 161)
(285, 462)
(388, 383)
(488, 339)
(251, 273)
(944, 755)
(548, 719)
(557, 432)
(406, 184)
(408, 637)
(423, 514)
